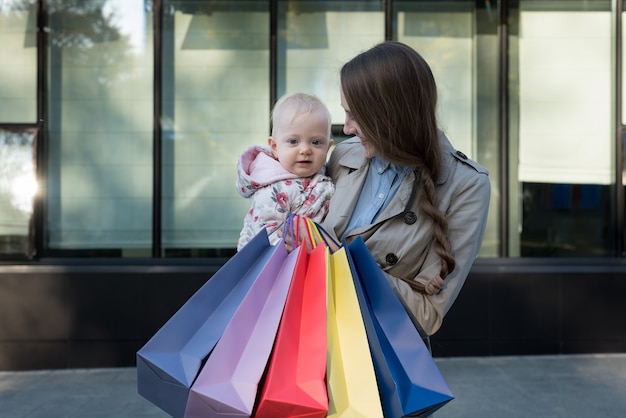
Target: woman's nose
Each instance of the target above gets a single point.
(349, 128)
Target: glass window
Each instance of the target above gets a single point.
(18, 66)
(216, 102)
(18, 185)
(565, 138)
(460, 43)
(99, 127)
(315, 38)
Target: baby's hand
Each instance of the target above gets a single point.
(298, 231)
(434, 286)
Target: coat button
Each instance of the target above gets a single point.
(460, 154)
(391, 259)
(409, 218)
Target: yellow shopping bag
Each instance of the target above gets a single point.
(351, 380)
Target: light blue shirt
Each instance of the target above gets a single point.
(381, 184)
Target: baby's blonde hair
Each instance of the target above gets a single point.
(300, 103)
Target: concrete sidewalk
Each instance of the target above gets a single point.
(499, 387)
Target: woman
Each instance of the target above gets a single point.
(419, 205)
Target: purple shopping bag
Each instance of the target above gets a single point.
(228, 382)
(409, 381)
(169, 362)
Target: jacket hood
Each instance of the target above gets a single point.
(257, 168)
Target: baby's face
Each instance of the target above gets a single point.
(301, 143)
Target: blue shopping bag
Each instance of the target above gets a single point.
(170, 361)
(409, 381)
(228, 383)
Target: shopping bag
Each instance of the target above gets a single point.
(409, 380)
(228, 382)
(352, 387)
(295, 384)
(169, 362)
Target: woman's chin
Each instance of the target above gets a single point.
(367, 151)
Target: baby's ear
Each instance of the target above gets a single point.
(272, 144)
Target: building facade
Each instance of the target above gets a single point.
(121, 122)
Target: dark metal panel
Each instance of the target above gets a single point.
(273, 53)
(157, 151)
(99, 315)
(503, 39)
(41, 150)
(620, 131)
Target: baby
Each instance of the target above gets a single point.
(289, 175)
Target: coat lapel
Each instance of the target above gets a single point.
(401, 199)
(354, 182)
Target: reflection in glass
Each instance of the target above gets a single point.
(99, 127)
(315, 38)
(18, 186)
(215, 104)
(565, 136)
(459, 41)
(18, 66)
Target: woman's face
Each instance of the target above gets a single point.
(351, 127)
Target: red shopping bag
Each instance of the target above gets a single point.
(295, 381)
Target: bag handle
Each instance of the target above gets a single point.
(315, 232)
(291, 225)
(312, 231)
(289, 229)
(326, 237)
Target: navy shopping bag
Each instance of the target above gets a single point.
(170, 361)
(409, 381)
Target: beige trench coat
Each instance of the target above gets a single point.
(406, 250)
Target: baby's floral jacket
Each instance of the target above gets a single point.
(274, 192)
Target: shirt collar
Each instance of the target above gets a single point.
(381, 165)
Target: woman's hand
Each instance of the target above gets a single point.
(303, 232)
(297, 233)
(434, 285)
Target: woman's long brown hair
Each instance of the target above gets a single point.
(391, 93)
